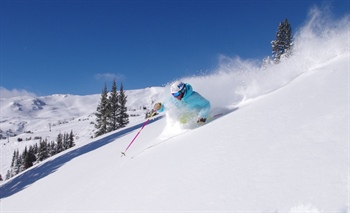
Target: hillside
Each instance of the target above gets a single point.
(31, 118)
(275, 153)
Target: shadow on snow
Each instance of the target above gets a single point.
(25, 179)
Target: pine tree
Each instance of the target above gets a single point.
(282, 46)
(36, 150)
(123, 117)
(31, 154)
(14, 157)
(17, 163)
(43, 150)
(29, 157)
(65, 141)
(25, 154)
(53, 148)
(1, 178)
(59, 146)
(102, 114)
(114, 108)
(71, 139)
(8, 175)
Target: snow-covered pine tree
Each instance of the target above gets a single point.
(114, 108)
(35, 149)
(24, 156)
(123, 117)
(14, 157)
(59, 146)
(66, 141)
(282, 46)
(17, 162)
(53, 148)
(102, 114)
(29, 157)
(8, 175)
(71, 139)
(43, 150)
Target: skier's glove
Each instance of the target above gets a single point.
(157, 106)
(201, 120)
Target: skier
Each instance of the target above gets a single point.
(186, 102)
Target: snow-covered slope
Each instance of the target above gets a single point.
(275, 153)
(285, 149)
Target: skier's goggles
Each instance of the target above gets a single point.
(176, 94)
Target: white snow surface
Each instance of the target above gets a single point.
(283, 146)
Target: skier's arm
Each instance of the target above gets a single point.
(205, 108)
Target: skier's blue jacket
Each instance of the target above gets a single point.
(191, 101)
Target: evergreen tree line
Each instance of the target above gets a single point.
(39, 152)
(111, 113)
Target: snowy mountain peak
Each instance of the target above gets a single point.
(27, 105)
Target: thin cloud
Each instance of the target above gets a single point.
(109, 76)
(5, 93)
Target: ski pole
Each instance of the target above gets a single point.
(123, 153)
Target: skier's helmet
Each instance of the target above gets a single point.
(177, 87)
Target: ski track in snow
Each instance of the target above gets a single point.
(166, 136)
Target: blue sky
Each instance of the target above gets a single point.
(75, 47)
